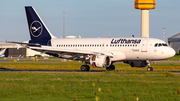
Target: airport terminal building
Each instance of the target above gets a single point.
(14, 50)
(174, 42)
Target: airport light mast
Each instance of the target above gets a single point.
(144, 5)
(64, 24)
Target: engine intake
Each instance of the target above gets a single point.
(101, 61)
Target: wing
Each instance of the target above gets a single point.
(26, 44)
(68, 53)
(61, 52)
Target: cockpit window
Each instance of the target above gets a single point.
(165, 44)
(160, 44)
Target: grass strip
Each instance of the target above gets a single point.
(123, 85)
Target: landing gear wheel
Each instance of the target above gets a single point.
(150, 69)
(110, 68)
(85, 68)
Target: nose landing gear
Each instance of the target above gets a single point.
(149, 66)
(150, 69)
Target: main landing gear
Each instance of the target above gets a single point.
(149, 66)
(110, 68)
(85, 68)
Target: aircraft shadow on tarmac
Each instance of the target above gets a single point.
(20, 70)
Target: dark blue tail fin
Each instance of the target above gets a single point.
(37, 29)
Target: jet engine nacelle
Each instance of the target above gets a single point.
(102, 61)
(137, 63)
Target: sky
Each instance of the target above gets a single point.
(89, 18)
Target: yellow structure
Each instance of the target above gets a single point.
(70, 60)
(144, 5)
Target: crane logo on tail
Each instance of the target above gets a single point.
(36, 28)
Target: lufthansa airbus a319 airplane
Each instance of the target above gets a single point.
(98, 52)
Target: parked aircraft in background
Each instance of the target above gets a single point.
(2, 51)
(98, 52)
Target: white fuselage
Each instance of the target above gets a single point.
(119, 48)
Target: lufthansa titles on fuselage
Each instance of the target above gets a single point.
(126, 41)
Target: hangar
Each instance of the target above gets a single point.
(14, 50)
(174, 42)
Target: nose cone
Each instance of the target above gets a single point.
(171, 52)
